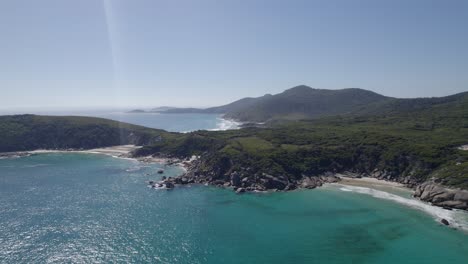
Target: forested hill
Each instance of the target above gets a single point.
(303, 102)
(411, 143)
(296, 103)
(29, 132)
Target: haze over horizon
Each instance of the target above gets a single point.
(89, 54)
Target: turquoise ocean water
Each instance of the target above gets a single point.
(88, 208)
(169, 122)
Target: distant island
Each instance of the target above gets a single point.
(153, 110)
(137, 111)
(309, 137)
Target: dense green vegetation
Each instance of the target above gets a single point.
(296, 103)
(411, 145)
(303, 102)
(29, 132)
(407, 140)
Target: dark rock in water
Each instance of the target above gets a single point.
(271, 182)
(235, 179)
(218, 182)
(164, 178)
(160, 171)
(151, 182)
(177, 180)
(311, 182)
(240, 190)
(445, 222)
(169, 185)
(260, 188)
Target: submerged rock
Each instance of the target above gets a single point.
(240, 190)
(445, 222)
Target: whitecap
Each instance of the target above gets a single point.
(133, 169)
(226, 124)
(35, 165)
(455, 217)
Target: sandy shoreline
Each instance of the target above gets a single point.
(401, 194)
(121, 151)
(370, 182)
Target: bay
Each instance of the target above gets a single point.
(86, 208)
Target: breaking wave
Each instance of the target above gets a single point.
(456, 218)
(226, 124)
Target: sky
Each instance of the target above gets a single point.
(120, 53)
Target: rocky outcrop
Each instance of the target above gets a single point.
(314, 182)
(243, 180)
(442, 196)
(225, 173)
(7, 155)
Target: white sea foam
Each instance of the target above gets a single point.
(226, 124)
(133, 169)
(35, 165)
(455, 217)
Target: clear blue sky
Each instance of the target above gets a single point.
(90, 53)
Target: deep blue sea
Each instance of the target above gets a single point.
(90, 208)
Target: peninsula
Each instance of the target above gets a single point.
(302, 143)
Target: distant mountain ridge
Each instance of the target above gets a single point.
(304, 102)
(231, 107)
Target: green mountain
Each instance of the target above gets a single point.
(302, 102)
(234, 106)
(30, 132)
(409, 141)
